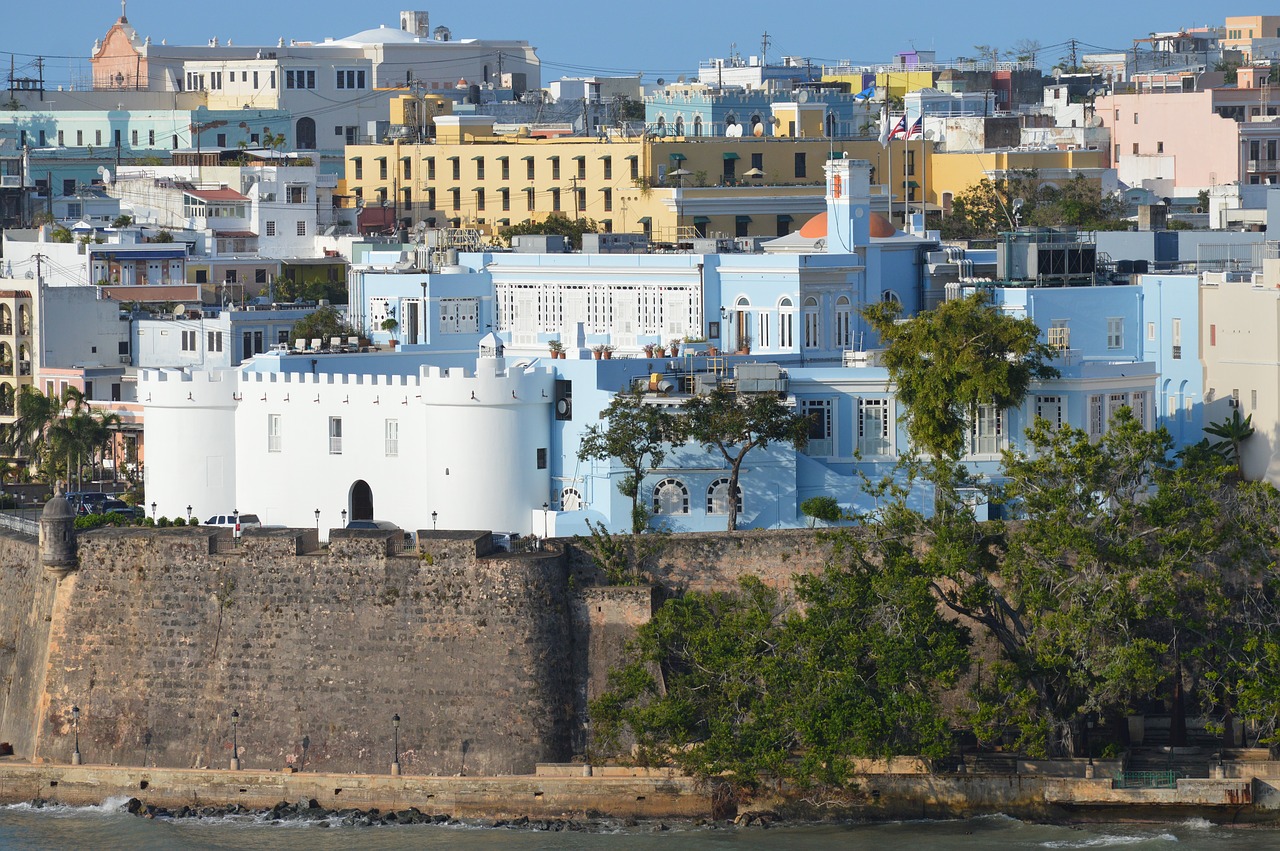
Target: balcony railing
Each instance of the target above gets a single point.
(1256, 166)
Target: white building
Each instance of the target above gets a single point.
(336, 88)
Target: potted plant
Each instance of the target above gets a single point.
(660, 351)
(744, 344)
(608, 351)
(712, 350)
(390, 325)
(597, 352)
(557, 349)
(648, 350)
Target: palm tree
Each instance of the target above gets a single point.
(1231, 433)
(28, 435)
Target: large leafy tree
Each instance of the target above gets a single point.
(947, 361)
(321, 324)
(733, 424)
(556, 224)
(989, 207)
(636, 434)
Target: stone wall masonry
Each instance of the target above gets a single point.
(715, 561)
(460, 797)
(27, 593)
(155, 634)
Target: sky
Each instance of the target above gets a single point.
(585, 37)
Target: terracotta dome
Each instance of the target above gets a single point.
(879, 227)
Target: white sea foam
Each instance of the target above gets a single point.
(1109, 840)
(112, 806)
(1197, 824)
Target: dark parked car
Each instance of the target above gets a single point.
(116, 506)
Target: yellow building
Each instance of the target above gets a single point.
(468, 176)
(15, 348)
(1241, 30)
(669, 187)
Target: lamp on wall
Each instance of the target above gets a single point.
(344, 518)
(395, 732)
(433, 521)
(235, 740)
(76, 759)
(317, 521)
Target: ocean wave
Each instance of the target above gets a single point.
(112, 806)
(1197, 824)
(1109, 840)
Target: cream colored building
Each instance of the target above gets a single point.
(16, 346)
(1240, 342)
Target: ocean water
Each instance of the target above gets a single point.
(108, 827)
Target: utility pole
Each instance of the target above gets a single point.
(40, 74)
(1074, 63)
(764, 49)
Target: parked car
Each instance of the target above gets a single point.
(247, 521)
(117, 506)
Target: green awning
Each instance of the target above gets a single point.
(504, 221)
(730, 155)
(785, 218)
(502, 157)
(473, 159)
(578, 157)
(453, 158)
(527, 158)
(631, 157)
(677, 156)
(701, 220)
(741, 219)
(913, 184)
(644, 220)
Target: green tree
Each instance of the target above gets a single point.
(556, 223)
(1231, 433)
(824, 508)
(122, 221)
(947, 361)
(733, 424)
(636, 434)
(321, 324)
(28, 435)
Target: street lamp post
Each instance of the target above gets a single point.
(395, 733)
(344, 518)
(433, 521)
(188, 514)
(235, 741)
(76, 758)
(545, 507)
(153, 510)
(317, 521)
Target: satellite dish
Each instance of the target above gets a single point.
(661, 81)
(105, 174)
(819, 245)
(680, 79)
(759, 130)
(803, 97)
(180, 311)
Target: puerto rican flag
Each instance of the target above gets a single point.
(899, 131)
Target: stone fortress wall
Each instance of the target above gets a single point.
(488, 658)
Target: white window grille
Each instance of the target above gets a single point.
(274, 435)
(670, 496)
(391, 431)
(335, 435)
(718, 497)
(873, 427)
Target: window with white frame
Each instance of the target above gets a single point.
(786, 323)
(215, 341)
(570, 500)
(1115, 332)
(299, 79)
(1049, 409)
(271, 229)
(302, 228)
(1138, 404)
(1115, 401)
(812, 324)
(349, 78)
(1097, 416)
(1151, 331)
(188, 341)
(1175, 338)
(764, 330)
(274, 443)
(988, 430)
(335, 435)
(844, 325)
(391, 438)
(818, 412)
(670, 496)
(718, 497)
(873, 427)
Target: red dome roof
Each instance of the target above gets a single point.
(816, 228)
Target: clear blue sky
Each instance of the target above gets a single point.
(576, 37)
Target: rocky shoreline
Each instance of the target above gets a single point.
(323, 817)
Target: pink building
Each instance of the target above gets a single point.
(1176, 137)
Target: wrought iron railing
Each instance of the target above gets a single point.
(1146, 780)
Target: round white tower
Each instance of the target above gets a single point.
(190, 440)
(488, 443)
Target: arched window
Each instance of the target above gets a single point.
(662, 125)
(679, 125)
(786, 323)
(742, 323)
(570, 500)
(844, 329)
(812, 324)
(6, 400)
(697, 125)
(718, 497)
(890, 297)
(670, 496)
(306, 134)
